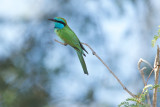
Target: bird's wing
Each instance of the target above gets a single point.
(68, 36)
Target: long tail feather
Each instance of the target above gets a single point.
(82, 62)
(83, 47)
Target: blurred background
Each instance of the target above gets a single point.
(36, 71)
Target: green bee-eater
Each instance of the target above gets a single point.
(69, 37)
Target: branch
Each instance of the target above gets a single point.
(141, 70)
(156, 72)
(94, 53)
(143, 77)
(142, 60)
(65, 44)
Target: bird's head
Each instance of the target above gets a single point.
(59, 22)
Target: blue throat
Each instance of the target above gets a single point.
(58, 25)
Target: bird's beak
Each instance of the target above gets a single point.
(52, 20)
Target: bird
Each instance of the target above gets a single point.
(68, 37)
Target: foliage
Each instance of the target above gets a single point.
(140, 100)
(156, 86)
(23, 81)
(156, 38)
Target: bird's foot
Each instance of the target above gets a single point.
(65, 44)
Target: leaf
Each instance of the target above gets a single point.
(125, 104)
(155, 86)
(132, 99)
(155, 38)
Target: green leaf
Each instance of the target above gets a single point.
(155, 86)
(132, 99)
(155, 38)
(140, 100)
(125, 104)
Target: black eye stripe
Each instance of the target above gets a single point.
(61, 22)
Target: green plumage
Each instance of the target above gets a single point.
(82, 62)
(69, 37)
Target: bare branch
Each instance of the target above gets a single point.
(94, 53)
(150, 75)
(65, 44)
(156, 72)
(142, 74)
(143, 78)
(142, 60)
(141, 70)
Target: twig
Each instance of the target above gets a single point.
(65, 44)
(94, 53)
(150, 74)
(143, 78)
(146, 62)
(156, 71)
(141, 70)
(139, 63)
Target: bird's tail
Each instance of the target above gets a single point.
(82, 62)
